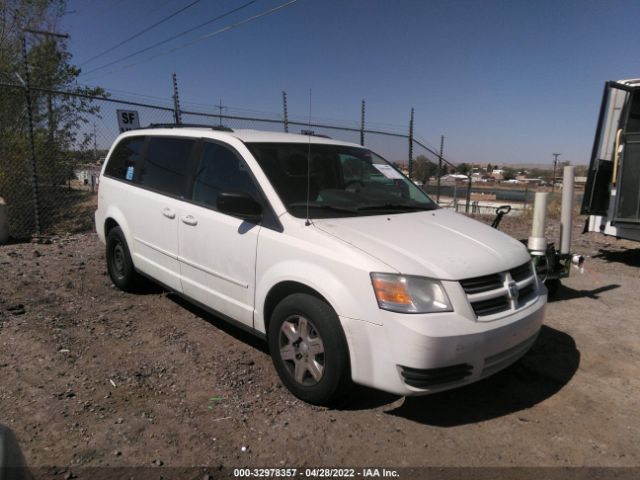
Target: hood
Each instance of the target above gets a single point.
(439, 244)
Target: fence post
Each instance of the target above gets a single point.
(439, 168)
(176, 102)
(286, 113)
(466, 209)
(362, 123)
(411, 146)
(455, 194)
(34, 170)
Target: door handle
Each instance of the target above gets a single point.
(616, 157)
(189, 220)
(167, 212)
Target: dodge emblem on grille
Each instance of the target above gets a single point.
(513, 290)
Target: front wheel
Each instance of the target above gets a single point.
(309, 350)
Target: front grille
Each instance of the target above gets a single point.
(428, 377)
(482, 284)
(490, 294)
(522, 272)
(491, 306)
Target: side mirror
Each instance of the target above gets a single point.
(239, 205)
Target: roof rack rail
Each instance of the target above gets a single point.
(313, 134)
(221, 128)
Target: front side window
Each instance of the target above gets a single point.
(220, 170)
(337, 180)
(166, 164)
(122, 162)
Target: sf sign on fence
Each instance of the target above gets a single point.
(128, 120)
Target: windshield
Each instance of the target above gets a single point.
(340, 180)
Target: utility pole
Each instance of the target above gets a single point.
(555, 164)
(27, 92)
(362, 123)
(285, 111)
(439, 168)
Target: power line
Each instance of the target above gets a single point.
(208, 35)
(150, 27)
(162, 42)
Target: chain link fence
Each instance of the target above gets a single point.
(49, 172)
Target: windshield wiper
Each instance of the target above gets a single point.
(324, 207)
(393, 206)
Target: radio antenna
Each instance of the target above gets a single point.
(308, 222)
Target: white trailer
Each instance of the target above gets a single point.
(612, 194)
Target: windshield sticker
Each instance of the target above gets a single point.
(387, 170)
(129, 175)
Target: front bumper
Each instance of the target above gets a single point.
(422, 354)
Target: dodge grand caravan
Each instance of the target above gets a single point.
(323, 248)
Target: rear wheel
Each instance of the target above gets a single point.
(309, 350)
(119, 263)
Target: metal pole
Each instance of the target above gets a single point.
(176, 102)
(566, 211)
(466, 209)
(286, 113)
(362, 123)
(439, 168)
(95, 144)
(34, 170)
(411, 145)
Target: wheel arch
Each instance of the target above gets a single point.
(115, 218)
(283, 289)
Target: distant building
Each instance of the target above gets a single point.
(497, 174)
(581, 181)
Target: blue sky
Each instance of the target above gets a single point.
(504, 81)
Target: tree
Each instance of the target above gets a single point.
(424, 169)
(489, 168)
(58, 120)
(509, 173)
(464, 168)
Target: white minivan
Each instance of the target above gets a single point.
(323, 248)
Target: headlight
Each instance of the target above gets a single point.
(409, 294)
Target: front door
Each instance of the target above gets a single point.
(217, 251)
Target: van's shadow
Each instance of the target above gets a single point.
(221, 324)
(543, 371)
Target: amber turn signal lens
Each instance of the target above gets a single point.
(391, 291)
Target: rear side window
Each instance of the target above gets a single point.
(123, 160)
(220, 170)
(166, 164)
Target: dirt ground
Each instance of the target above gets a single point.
(92, 376)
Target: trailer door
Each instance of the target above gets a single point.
(600, 177)
(628, 167)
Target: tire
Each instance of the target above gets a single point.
(119, 263)
(311, 361)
